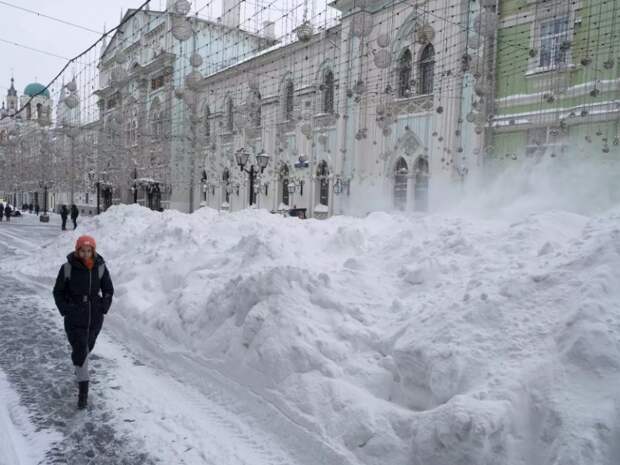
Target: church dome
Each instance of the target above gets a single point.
(34, 88)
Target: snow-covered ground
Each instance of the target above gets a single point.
(20, 443)
(485, 333)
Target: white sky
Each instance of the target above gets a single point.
(50, 36)
(60, 39)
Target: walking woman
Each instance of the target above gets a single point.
(83, 294)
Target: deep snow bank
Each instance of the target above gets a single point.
(429, 340)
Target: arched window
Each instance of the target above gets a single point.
(226, 185)
(322, 174)
(426, 70)
(328, 91)
(207, 122)
(230, 115)
(39, 110)
(289, 101)
(284, 174)
(404, 74)
(156, 125)
(401, 176)
(257, 115)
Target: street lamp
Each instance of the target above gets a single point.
(134, 188)
(242, 157)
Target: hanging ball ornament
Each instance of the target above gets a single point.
(424, 33)
(182, 7)
(609, 64)
(305, 31)
(193, 79)
(361, 24)
(382, 59)
(481, 89)
(181, 28)
(533, 52)
(383, 40)
(196, 60)
(594, 92)
(71, 101)
(72, 86)
(585, 61)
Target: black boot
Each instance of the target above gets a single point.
(83, 395)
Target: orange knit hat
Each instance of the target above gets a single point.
(84, 241)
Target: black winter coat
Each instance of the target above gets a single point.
(74, 212)
(83, 299)
(64, 212)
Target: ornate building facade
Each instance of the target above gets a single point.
(367, 115)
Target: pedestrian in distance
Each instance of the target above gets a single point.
(1, 211)
(30, 208)
(36, 209)
(7, 212)
(64, 214)
(74, 215)
(83, 295)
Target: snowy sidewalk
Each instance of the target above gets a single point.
(34, 356)
(144, 396)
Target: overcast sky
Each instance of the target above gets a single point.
(37, 32)
(50, 36)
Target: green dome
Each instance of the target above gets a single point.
(34, 88)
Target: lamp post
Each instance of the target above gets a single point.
(134, 188)
(242, 157)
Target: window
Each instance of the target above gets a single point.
(404, 74)
(426, 70)
(401, 172)
(289, 101)
(28, 112)
(207, 122)
(328, 92)
(257, 112)
(157, 83)
(553, 35)
(322, 174)
(284, 174)
(226, 185)
(229, 115)
(156, 123)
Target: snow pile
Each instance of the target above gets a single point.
(425, 340)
